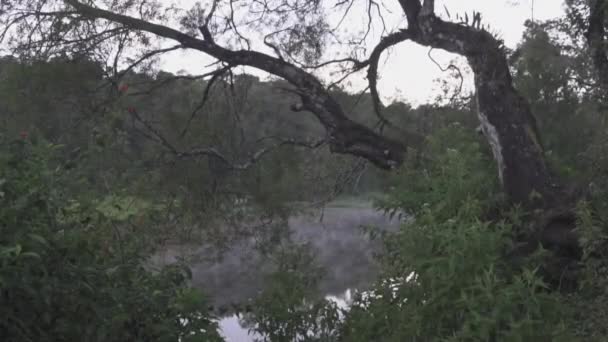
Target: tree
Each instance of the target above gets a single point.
(596, 38)
(297, 32)
(588, 20)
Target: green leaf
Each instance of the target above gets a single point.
(17, 250)
(30, 255)
(39, 239)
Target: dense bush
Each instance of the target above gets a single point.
(290, 308)
(65, 275)
(449, 280)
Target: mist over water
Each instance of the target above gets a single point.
(338, 243)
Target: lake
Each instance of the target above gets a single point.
(339, 245)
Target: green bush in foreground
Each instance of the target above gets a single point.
(461, 287)
(64, 275)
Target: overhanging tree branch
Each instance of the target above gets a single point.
(212, 152)
(215, 76)
(372, 72)
(345, 135)
(253, 158)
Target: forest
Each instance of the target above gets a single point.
(479, 216)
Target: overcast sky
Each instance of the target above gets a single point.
(408, 73)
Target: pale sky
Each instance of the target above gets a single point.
(407, 72)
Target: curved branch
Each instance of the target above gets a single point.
(157, 136)
(253, 158)
(449, 67)
(372, 72)
(211, 13)
(159, 84)
(345, 14)
(334, 61)
(235, 27)
(147, 56)
(215, 76)
(345, 135)
(271, 45)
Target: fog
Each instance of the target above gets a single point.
(336, 238)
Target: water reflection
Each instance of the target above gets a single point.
(339, 244)
(233, 331)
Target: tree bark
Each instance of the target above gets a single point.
(505, 116)
(596, 40)
(511, 131)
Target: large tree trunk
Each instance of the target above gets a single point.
(505, 116)
(512, 133)
(511, 130)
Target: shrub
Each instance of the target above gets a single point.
(64, 276)
(445, 274)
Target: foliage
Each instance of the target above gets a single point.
(591, 299)
(462, 290)
(554, 74)
(290, 309)
(452, 174)
(64, 275)
(447, 277)
(545, 67)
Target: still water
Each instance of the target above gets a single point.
(233, 331)
(339, 246)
